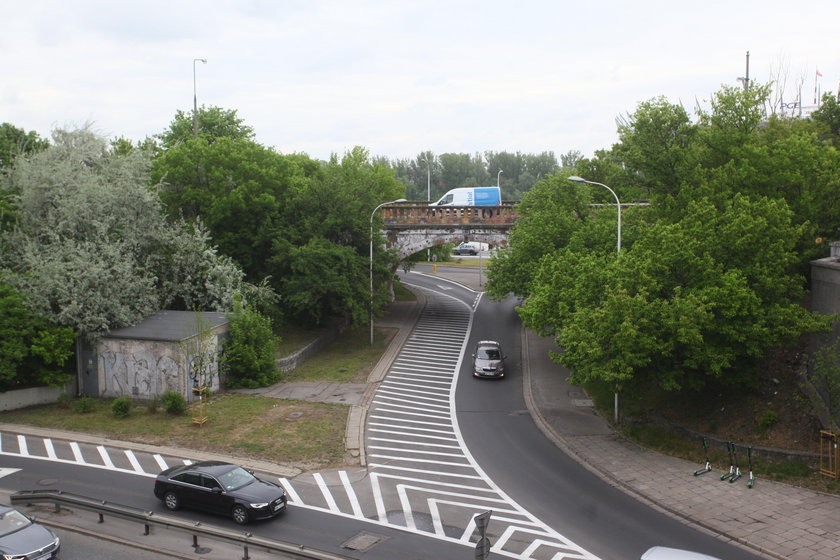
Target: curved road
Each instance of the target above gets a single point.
(502, 437)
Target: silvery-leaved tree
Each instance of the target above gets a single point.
(92, 248)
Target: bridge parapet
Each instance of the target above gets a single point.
(414, 215)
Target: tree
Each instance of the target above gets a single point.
(549, 215)
(657, 142)
(828, 115)
(33, 352)
(237, 188)
(92, 249)
(690, 301)
(15, 141)
(320, 263)
(213, 123)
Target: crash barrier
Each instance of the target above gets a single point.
(194, 529)
(734, 471)
(829, 454)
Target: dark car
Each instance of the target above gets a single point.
(488, 359)
(20, 537)
(222, 488)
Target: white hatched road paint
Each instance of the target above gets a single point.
(421, 477)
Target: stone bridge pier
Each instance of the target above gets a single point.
(412, 227)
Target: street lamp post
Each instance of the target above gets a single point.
(498, 178)
(617, 203)
(428, 179)
(195, 98)
(618, 250)
(428, 197)
(371, 261)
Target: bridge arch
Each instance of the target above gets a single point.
(410, 227)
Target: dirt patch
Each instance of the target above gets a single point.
(777, 413)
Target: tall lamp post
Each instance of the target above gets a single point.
(428, 196)
(498, 178)
(618, 249)
(371, 261)
(428, 179)
(195, 98)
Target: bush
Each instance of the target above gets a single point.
(249, 359)
(65, 400)
(84, 405)
(121, 407)
(769, 420)
(174, 402)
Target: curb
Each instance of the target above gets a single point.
(354, 435)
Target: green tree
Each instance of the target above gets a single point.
(828, 115)
(549, 215)
(690, 301)
(249, 354)
(213, 123)
(320, 264)
(15, 141)
(33, 352)
(237, 188)
(657, 143)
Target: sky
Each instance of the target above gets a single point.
(401, 77)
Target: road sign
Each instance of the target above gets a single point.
(482, 547)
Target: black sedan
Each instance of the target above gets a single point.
(20, 537)
(220, 487)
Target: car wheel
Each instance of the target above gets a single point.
(239, 514)
(171, 501)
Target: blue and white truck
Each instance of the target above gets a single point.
(471, 196)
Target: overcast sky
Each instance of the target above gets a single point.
(399, 77)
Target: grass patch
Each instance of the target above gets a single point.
(294, 337)
(348, 359)
(307, 434)
(401, 293)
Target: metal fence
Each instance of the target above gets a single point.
(148, 519)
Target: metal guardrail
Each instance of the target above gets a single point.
(148, 518)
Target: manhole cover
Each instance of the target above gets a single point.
(363, 541)
(583, 402)
(48, 481)
(295, 414)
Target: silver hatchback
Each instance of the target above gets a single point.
(488, 359)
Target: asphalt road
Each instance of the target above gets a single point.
(504, 440)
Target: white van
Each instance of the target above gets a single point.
(471, 196)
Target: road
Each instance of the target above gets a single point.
(539, 477)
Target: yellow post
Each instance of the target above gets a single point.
(829, 454)
(434, 268)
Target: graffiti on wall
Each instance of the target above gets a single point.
(138, 374)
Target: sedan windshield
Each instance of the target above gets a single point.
(236, 478)
(12, 521)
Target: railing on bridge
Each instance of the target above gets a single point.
(421, 215)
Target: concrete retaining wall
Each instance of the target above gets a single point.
(290, 362)
(21, 398)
